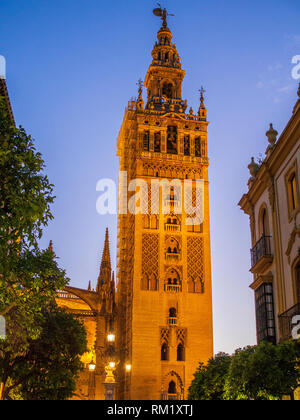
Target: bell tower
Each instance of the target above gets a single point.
(164, 265)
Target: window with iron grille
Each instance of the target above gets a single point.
(265, 319)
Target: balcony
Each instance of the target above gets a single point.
(261, 255)
(171, 397)
(172, 204)
(171, 256)
(172, 321)
(286, 322)
(172, 227)
(175, 288)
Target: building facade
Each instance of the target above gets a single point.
(96, 309)
(164, 294)
(147, 337)
(273, 205)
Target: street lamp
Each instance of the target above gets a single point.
(92, 367)
(92, 380)
(111, 338)
(128, 368)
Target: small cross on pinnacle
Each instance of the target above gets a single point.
(140, 84)
(202, 91)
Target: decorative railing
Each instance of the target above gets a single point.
(172, 227)
(286, 322)
(172, 256)
(62, 294)
(81, 312)
(172, 321)
(171, 397)
(172, 203)
(173, 288)
(262, 249)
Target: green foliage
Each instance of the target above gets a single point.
(49, 368)
(210, 379)
(263, 372)
(29, 277)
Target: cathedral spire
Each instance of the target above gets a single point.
(50, 247)
(105, 268)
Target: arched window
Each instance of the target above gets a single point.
(167, 89)
(293, 196)
(199, 285)
(153, 283)
(172, 246)
(157, 142)
(297, 279)
(153, 221)
(172, 388)
(146, 141)
(172, 313)
(191, 285)
(145, 282)
(180, 352)
(164, 352)
(172, 281)
(187, 145)
(264, 229)
(146, 222)
(198, 146)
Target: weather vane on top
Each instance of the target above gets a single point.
(163, 14)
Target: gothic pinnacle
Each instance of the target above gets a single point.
(105, 262)
(50, 247)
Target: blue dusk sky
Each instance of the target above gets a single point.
(73, 65)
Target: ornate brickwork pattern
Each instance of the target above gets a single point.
(181, 334)
(195, 258)
(164, 335)
(150, 252)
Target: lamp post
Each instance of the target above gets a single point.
(110, 381)
(92, 381)
(112, 361)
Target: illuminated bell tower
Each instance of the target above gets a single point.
(164, 265)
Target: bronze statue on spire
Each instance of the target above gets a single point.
(163, 14)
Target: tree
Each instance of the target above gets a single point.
(49, 368)
(29, 277)
(209, 380)
(264, 372)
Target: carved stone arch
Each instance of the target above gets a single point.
(167, 88)
(191, 285)
(90, 298)
(198, 285)
(153, 221)
(197, 175)
(153, 286)
(173, 277)
(172, 245)
(150, 171)
(296, 279)
(146, 221)
(145, 282)
(172, 376)
(263, 221)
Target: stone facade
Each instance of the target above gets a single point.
(273, 205)
(164, 265)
